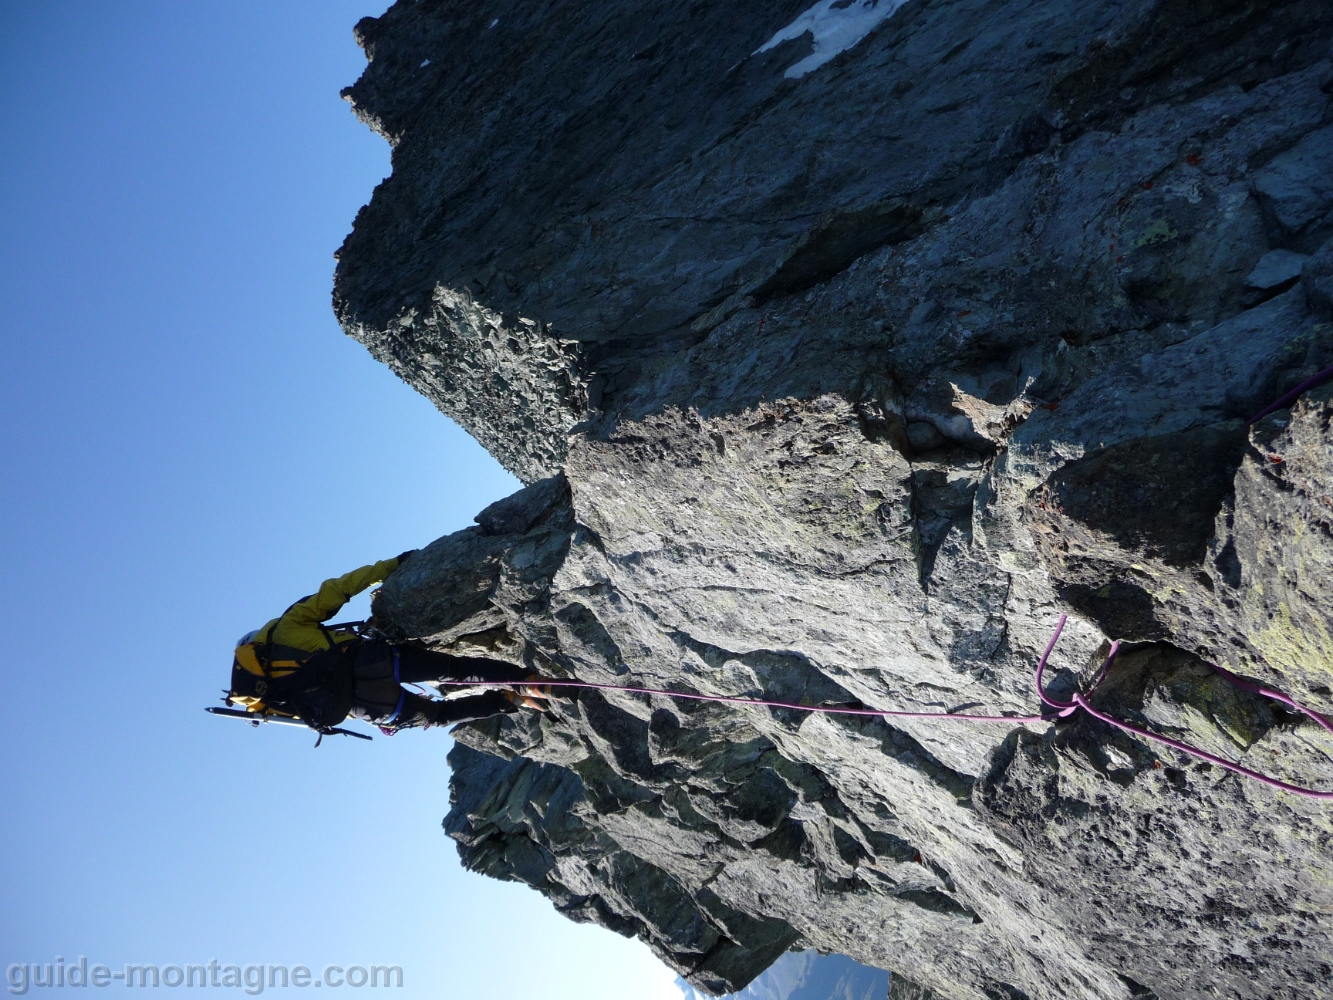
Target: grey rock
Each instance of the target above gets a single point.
(1317, 279)
(557, 214)
(905, 989)
(516, 514)
(839, 390)
(924, 437)
(723, 836)
(1277, 267)
(1282, 531)
(1254, 924)
(1297, 186)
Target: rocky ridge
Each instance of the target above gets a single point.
(841, 388)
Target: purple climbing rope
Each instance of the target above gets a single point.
(1063, 709)
(734, 700)
(1079, 700)
(1313, 382)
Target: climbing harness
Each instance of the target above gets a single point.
(387, 728)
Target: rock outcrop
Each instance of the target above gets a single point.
(839, 367)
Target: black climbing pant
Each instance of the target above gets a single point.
(377, 693)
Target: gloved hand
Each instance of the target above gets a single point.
(404, 556)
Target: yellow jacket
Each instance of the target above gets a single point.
(298, 631)
(298, 628)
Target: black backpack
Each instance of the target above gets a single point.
(319, 691)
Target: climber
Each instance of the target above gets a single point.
(296, 667)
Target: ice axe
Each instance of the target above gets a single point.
(255, 718)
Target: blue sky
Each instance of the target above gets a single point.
(190, 443)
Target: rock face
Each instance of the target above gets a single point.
(837, 376)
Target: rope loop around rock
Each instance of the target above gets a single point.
(1080, 701)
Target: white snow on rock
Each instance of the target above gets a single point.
(835, 25)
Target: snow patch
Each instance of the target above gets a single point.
(835, 25)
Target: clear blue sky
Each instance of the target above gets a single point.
(189, 444)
